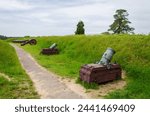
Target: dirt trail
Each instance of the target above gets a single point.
(51, 86)
(47, 84)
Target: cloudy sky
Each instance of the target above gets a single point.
(59, 17)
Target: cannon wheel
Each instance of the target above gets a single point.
(33, 42)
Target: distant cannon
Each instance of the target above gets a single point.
(51, 50)
(31, 42)
(24, 42)
(103, 71)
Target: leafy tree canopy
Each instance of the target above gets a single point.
(121, 23)
(80, 28)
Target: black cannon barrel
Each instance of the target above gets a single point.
(31, 42)
(19, 41)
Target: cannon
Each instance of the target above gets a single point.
(51, 50)
(103, 71)
(31, 42)
(24, 42)
(19, 41)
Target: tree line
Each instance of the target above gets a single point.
(119, 26)
(3, 37)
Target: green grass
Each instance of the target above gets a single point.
(19, 86)
(132, 53)
(87, 85)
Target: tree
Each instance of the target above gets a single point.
(121, 23)
(3, 37)
(80, 28)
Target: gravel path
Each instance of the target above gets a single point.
(46, 83)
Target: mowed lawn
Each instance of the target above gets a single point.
(14, 82)
(132, 53)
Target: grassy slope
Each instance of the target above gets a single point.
(133, 53)
(20, 85)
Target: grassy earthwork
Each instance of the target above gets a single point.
(132, 53)
(14, 82)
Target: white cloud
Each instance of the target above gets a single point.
(59, 17)
(87, 10)
(14, 5)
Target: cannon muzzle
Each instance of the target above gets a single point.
(107, 56)
(53, 46)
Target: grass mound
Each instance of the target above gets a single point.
(132, 53)
(19, 85)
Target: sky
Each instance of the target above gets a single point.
(60, 17)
